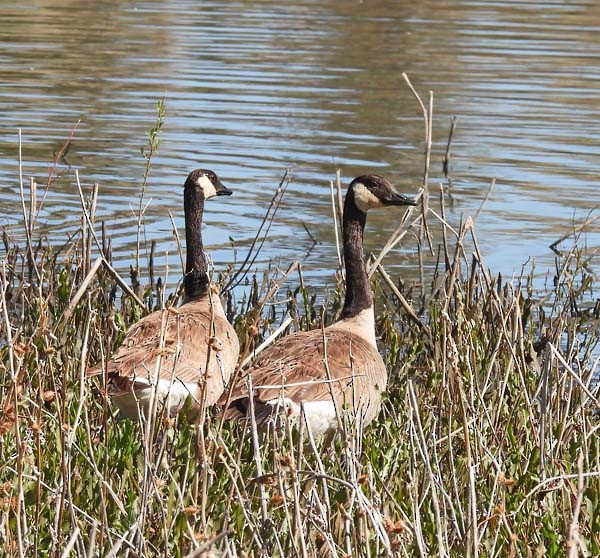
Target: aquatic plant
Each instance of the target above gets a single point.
(487, 443)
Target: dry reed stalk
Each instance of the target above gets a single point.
(446, 158)
(238, 484)
(122, 283)
(267, 342)
(573, 540)
(27, 225)
(246, 356)
(422, 445)
(178, 242)
(407, 307)
(60, 156)
(298, 523)
(576, 230)
(256, 450)
(92, 213)
(205, 547)
(335, 225)
(428, 122)
(485, 199)
(89, 220)
(82, 289)
(258, 242)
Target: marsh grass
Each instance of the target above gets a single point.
(486, 444)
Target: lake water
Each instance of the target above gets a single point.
(253, 88)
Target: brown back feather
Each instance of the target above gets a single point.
(302, 368)
(183, 354)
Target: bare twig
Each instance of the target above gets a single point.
(82, 288)
(267, 221)
(267, 342)
(589, 221)
(573, 534)
(487, 197)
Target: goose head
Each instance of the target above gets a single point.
(205, 183)
(370, 191)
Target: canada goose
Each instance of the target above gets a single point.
(301, 371)
(191, 350)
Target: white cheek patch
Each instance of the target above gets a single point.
(207, 186)
(364, 198)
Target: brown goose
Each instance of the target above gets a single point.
(186, 351)
(346, 372)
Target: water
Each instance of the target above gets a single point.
(253, 88)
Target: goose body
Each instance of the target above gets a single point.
(322, 373)
(184, 351)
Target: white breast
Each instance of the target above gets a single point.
(172, 394)
(320, 415)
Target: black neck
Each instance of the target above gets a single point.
(358, 289)
(196, 281)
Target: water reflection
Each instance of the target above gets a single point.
(253, 88)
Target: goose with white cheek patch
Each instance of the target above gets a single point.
(185, 351)
(303, 375)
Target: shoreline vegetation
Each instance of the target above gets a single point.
(486, 444)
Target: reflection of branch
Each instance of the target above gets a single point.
(577, 229)
(314, 240)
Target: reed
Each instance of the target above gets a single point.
(487, 443)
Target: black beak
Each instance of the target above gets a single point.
(399, 199)
(222, 190)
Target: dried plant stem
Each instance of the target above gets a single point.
(12, 402)
(487, 197)
(258, 241)
(203, 548)
(428, 122)
(407, 307)
(589, 221)
(432, 479)
(88, 219)
(573, 540)
(27, 224)
(82, 289)
(446, 159)
(397, 235)
(256, 450)
(267, 342)
(336, 227)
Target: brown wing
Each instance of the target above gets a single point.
(180, 338)
(303, 368)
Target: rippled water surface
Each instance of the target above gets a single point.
(253, 88)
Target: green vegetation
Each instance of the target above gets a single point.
(486, 445)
